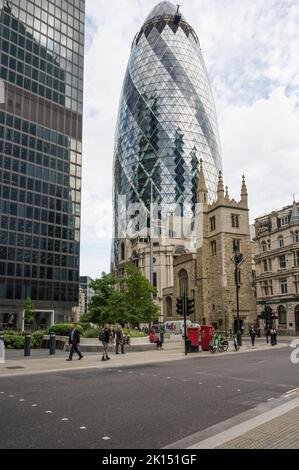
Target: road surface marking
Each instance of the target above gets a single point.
(106, 438)
(64, 419)
(269, 399)
(199, 383)
(292, 391)
(21, 399)
(48, 412)
(33, 405)
(83, 427)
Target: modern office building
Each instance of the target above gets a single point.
(85, 285)
(277, 266)
(41, 104)
(166, 124)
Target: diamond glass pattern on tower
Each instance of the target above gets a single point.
(167, 120)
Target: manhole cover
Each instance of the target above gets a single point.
(15, 367)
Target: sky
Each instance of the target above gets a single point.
(251, 50)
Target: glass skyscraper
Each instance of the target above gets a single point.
(167, 121)
(41, 104)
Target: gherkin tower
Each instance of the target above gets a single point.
(167, 120)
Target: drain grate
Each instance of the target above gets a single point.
(15, 367)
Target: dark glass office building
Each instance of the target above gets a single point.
(41, 103)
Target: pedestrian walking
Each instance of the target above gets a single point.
(106, 337)
(275, 336)
(74, 341)
(252, 333)
(119, 340)
(272, 337)
(267, 335)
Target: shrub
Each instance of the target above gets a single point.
(85, 326)
(14, 341)
(64, 329)
(92, 333)
(37, 339)
(134, 333)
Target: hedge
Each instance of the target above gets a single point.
(17, 340)
(64, 329)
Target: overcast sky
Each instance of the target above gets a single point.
(251, 49)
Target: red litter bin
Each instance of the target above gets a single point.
(193, 337)
(207, 332)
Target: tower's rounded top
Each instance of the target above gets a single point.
(163, 9)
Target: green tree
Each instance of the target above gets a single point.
(28, 311)
(98, 310)
(133, 303)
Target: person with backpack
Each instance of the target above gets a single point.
(106, 337)
(252, 333)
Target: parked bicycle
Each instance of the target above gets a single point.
(218, 343)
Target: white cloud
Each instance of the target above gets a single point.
(251, 51)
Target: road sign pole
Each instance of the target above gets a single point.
(185, 306)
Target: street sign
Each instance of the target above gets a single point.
(237, 259)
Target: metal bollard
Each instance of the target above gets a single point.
(2, 348)
(52, 343)
(27, 345)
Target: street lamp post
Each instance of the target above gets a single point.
(238, 258)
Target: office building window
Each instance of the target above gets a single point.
(283, 286)
(282, 262)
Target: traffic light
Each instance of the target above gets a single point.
(179, 306)
(190, 306)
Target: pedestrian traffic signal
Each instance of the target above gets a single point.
(190, 306)
(179, 306)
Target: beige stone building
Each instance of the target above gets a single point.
(208, 274)
(277, 266)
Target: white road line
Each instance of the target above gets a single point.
(64, 419)
(106, 438)
(48, 412)
(21, 399)
(34, 405)
(83, 427)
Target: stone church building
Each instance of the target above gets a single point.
(208, 274)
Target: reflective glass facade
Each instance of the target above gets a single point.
(167, 119)
(41, 102)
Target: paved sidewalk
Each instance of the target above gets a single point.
(17, 365)
(270, 425)
(279, 433)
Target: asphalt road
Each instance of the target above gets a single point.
(147, 406)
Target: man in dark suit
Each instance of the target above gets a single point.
(74, 341)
